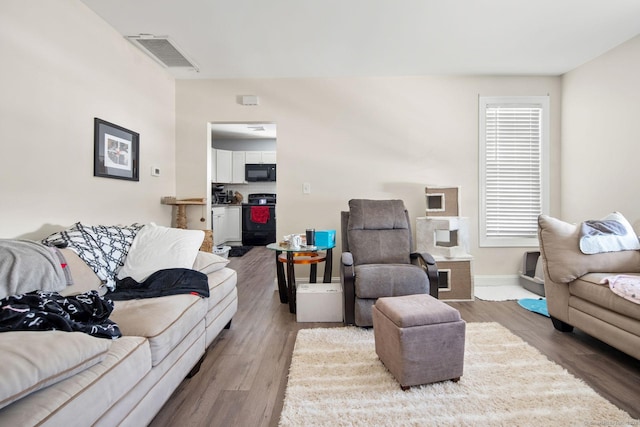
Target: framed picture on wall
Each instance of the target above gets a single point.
(116, 151)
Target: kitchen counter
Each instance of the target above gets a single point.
(225, 205)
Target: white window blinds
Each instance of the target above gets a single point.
(513, 144)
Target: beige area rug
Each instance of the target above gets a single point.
(336, 379)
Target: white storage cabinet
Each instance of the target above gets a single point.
(254, 157)
(319, 302)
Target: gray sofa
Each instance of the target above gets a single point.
(74, 379)
(575, 295)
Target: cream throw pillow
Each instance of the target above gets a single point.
(207, 262)
(157, 248)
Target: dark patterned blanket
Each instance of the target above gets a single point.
(46, 311)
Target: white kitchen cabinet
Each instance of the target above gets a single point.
(226, 223)
(217, 224)
(237, 167)
(224, 166)
(213, 164)
(233, 224)
(269, 157)
(227, 167)
(254, 157)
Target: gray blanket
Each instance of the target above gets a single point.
(603, 227)
(27, 266)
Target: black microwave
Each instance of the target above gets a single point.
(260, 172)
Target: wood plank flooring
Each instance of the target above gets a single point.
(243, 377)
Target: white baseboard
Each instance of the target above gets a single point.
(503, 280)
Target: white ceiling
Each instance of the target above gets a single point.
(243, 130)
(339, 38)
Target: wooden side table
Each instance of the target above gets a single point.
(303, 255)
(312, 258)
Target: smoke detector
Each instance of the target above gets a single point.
(163, 50)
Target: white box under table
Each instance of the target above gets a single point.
(319, 302)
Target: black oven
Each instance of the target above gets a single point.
(259, 220)
(260, 172)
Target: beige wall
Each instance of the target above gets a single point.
(62, 66)
(601, 136)
(360, 138)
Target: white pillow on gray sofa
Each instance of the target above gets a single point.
(31, 360)
(157, 248)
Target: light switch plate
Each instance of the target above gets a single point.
(306, 188)
(155, 171)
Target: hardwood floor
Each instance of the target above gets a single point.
(243, 377)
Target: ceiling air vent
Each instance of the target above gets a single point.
(163, 50)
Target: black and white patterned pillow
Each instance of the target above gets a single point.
(103, 247)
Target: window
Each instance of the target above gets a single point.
(514, 146)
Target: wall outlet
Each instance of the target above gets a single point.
(306, 188)
(155, 171)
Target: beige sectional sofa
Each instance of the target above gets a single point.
(54, 378)
(575, 295)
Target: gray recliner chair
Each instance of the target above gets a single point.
(377, 258)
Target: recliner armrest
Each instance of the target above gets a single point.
(426, 257)
(347, 277)
(426, 261)
(347, 258)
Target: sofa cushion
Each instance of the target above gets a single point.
(390, 280)
(31, 360)
(164, 321)
(590, 288)
(559, 244)
(80, 400)
(221, 284)
(209, 263)
(157, 248)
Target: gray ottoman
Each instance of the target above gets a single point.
(419, 339)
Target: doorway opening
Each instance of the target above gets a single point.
(237, 148)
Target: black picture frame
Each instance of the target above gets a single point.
(115, 151)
